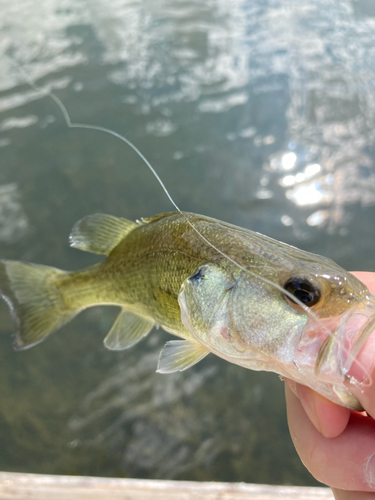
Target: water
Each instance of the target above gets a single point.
(258, 113)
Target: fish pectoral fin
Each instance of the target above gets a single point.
(127, 330)
(99, 233)
(178, 355)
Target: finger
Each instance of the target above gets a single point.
(292, 385)
(363, 368)
(367, 278)
(362, 385)
(328, 418)
(345, 462)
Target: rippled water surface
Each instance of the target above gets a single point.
(260, 113)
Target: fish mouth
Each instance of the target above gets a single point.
(331, 346)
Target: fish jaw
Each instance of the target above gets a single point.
(331, 345)
(316, 352)
(327, 350)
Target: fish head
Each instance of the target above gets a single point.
(306, 320)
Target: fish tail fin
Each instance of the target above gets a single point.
(36, 304)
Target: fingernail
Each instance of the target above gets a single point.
(369, 470)
(292, 385)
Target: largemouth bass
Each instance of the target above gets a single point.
(245, 297)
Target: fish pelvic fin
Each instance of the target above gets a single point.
(178, 355)
(99, 233)
(35, 302)
(127, 330)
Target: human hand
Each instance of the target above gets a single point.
(337, 445)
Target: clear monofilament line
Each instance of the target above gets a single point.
(70, 124)
(99, 128)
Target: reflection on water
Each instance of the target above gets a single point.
(309, 172)
(261, 114)
(330, 115)
(13, 221)
(159, 440)
(333, 183)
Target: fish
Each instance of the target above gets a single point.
(254, 301)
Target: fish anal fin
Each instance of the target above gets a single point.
(178, 355)
(127, 330)
(99, 233)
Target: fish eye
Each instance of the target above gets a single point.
(303, 290)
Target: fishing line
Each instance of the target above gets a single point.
(86, 126)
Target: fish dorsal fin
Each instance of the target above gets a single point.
(178, 355)
(127, 330)
(99, 233)
(155, 218)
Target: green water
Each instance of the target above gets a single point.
(260, 113)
